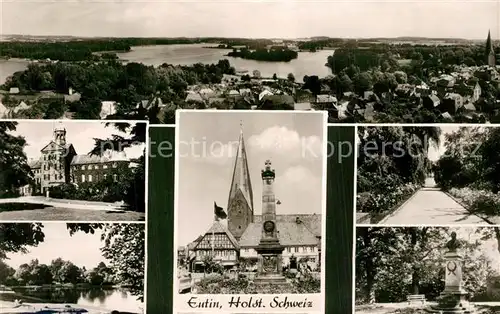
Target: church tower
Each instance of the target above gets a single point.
(240, 202)
(60, 136)
(490, 51)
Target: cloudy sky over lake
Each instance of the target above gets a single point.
(82, 249)
(252, 18)
(81, 134)
(293, 143)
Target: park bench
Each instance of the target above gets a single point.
(416, 299)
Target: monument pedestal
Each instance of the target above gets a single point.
(270, 263)
(453, 299)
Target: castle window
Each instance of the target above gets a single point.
(96, 167)
(104, 166)
(83, 167)
(114, 165)
(115, 177)
(83, 178)
(289, 249)
(90, 178)
(296, 249)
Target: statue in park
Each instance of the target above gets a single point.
(453, 244)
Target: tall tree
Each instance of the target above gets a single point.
(14, 169)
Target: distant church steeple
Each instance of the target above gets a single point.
(240, 202)
(490, 51)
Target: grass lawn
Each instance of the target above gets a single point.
(42, 213)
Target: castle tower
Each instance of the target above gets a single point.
(240, 202)
(490, 51)
(60, 136)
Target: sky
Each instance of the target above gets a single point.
(82, 249)
(469, 19)
(293, 142)
(39, 133)
(435, 152)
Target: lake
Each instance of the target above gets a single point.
(307, 63)
(109, 299)
(9, 67)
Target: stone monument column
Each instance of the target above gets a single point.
(269, 249)
(453, 299)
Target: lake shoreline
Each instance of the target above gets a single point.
(307, 63)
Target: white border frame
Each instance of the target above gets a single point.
(321, 308)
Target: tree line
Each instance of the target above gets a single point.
(275, 54)
(58, 271)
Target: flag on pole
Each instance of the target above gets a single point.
(219, 212)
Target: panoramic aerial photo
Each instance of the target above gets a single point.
(370, 61)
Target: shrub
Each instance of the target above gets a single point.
(479, 201)
(486, 205)
(369, 202)
(308, 284)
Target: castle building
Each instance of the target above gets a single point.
(59, 163)
(490, 52)
(300, 234)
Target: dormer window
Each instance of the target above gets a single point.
(297, 220)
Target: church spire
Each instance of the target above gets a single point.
(240, 202)
(490, 51)
(489, 45)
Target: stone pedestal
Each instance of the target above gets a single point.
(453, 299)
(270, 269)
